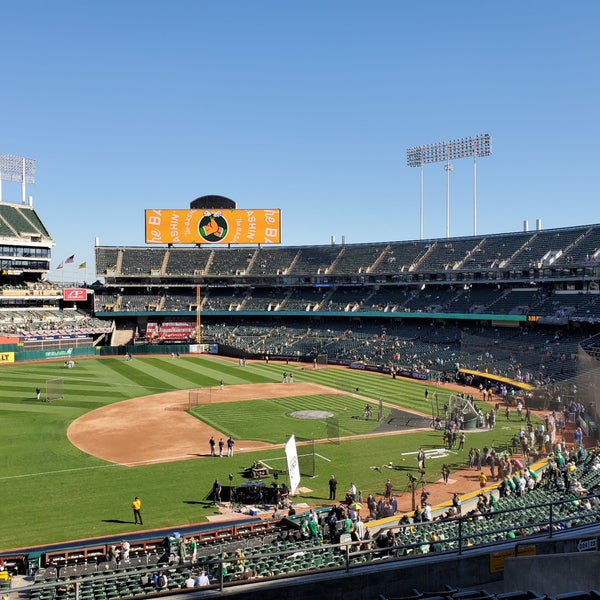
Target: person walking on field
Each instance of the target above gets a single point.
(388, 490)
(136, 505)
(445, 473)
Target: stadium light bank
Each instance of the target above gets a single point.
(419, 156)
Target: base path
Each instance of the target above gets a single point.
(156, 428)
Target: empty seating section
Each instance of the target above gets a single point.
(105, 302)
(460, 302)
(479, 300)
(303, 299)
(142, 261)
(513, 302)
(315, 260)
(21, 219)
(569, 304)
(584, 249)
(385, 299)
(179, 301)
(400, 257)
(357, 258)
(273, 261)
(187, 261)
(542, 243)
(230, 261)
(106, 260)
(445, 255)
(37, 223)
(264, 299)
(493, 251)
(344, 300)
(505, 253)
(430, 300)
(140, 302)
(6, 230)
(223, 299)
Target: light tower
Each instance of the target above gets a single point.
(17, 168)
(419, 156)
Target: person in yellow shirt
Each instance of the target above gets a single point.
(137, 510)
(482, 480)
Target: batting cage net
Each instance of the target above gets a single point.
(333, 430)
(306, 457)
(200, 396)
(55, 389)
(321, 359)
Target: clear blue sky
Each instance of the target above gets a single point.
(307, 106)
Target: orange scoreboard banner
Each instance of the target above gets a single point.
(213, 226)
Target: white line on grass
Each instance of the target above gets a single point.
(57, 472)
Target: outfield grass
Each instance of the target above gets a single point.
(52, 492)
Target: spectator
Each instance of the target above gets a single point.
(202, 580)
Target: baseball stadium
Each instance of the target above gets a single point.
(403, 419)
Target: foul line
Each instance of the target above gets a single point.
(56, 472)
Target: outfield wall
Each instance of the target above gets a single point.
(11, 354)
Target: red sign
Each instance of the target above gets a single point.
(75, 294)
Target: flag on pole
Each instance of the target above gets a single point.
(70, 259)
(82, 265)
(60, 266)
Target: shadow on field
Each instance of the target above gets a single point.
(115, 521)
(203, 503)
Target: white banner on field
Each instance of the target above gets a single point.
(292, 464)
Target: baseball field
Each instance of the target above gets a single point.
(71, 467)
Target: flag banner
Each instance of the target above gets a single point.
(83, 265)
(70, 259)
(292, 463)
(60, 266)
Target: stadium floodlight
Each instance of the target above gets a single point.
(419, 156)
(17, 168)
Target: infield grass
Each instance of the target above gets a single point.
(255, 419)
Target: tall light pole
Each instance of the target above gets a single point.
(448, 168)
(419, 156)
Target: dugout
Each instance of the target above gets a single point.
(475, 378)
